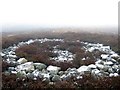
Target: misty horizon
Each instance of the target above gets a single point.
(24, 28)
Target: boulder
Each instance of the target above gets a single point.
(79, 77)
(116, 74)
(108, 63)
(115, 68)
(28, 66)
(11, 68)
(7, 73)
(36, 73)
(95, 71)
(99, 62)
(53, 69)
(63, 77)
(46, 77)
(110, 70)
(92, 66)
(30, 75)
(113, 74)
(39, 66)
(21, 74)
(22, 60)
(113, 60)
(11, 56)
(13, 63)
(99, 66)
(104, 73)
(104, 56)
(115, 55)
(14, 72)
(56, 78)
(60, 73)
(82, 68)
(106, 67)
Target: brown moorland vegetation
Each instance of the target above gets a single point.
(35, 53)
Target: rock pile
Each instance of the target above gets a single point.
(105, 66)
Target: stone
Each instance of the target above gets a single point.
(51, 83)
(2, 54)
(46, 77)
(63, 77)
(110, 70)
(11, 68)
(116, 74)
(113, 60)
(22, 60)
(95, 71)
(115, 67)
(106, 67)
(35, 78)
(104, 56)
(111, 75)
(115, 55)
(104, 73)
(92, 66)
(60, 73)
(21, 74)
(36, 73)
(47, 80)
(108, 63)
(79, 77)
(28, 66)
(82, 68)
(99, 62)
(100, 66)
(40, 66)
(56, 78)
(7, 73)
(12, 56)
(30, 75)
(14, 72)
(13, 63)
(53, 69)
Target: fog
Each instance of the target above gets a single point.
(64, 15)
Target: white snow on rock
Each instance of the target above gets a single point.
(82, 68)
(13, 72)
(83, 58)
(95, 71)
(30, 41)
(28, 66)
(113, 74)
(40, 66)
(91, 49)
(53, 69)
(114, 55)
(22, 60)
(108, 63)
(104, 56)
(63, 55)
(100, 66)
(12, 56)
(99, 62)
(36, 73)
(105, 48)
(116, 74)
(92, 66)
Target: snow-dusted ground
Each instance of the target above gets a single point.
(106, 66)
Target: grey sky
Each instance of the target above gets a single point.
(59, 13)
